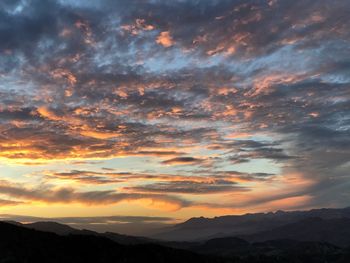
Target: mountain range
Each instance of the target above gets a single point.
(320, 235)
(201, 228)
(23, 244)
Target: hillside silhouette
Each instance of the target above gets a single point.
(201, 228)
(313, 236)
(20, 244)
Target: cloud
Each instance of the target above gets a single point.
(69, 195)
(182, 161)
(170, 80)
(4, 202)
(225, 180)
(188, 187)
(165, 39)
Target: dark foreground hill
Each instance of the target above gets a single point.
(274, 251)
(63, 230)
(19, 244)
(49, 226)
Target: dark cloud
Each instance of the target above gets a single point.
(188, 187)
(182, 161)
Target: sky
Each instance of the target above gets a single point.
(150, 112)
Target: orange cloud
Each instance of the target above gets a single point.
(47, 113)
(165, 39)
(137, 27)
(100, 135)
(62, 73)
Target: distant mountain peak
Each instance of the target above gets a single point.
(50, 226)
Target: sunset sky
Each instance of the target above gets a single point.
(159, 111)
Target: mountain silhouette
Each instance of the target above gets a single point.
(335, 231)
(52, 227)
(298, 237)
(196, 229)
(20, 244)
(62, 229)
